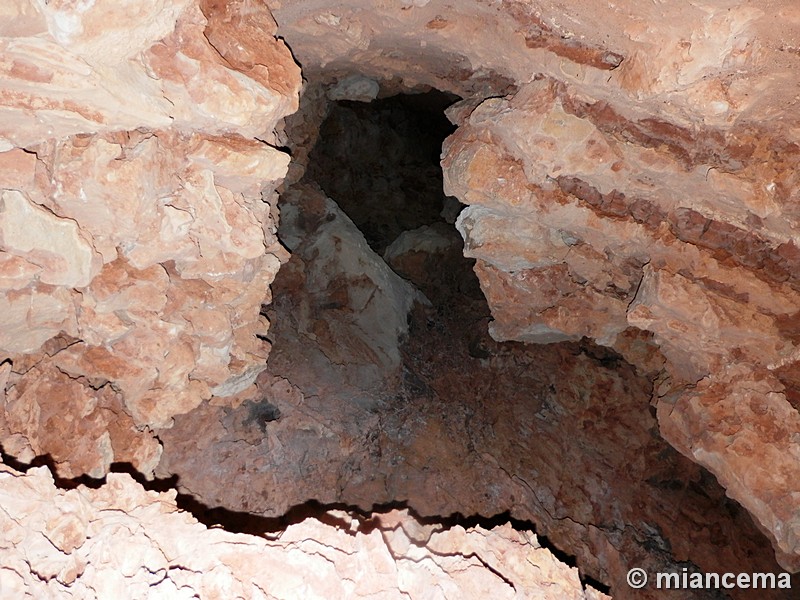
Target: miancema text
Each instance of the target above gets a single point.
(710, 581)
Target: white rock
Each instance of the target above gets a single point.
(357, 88)
(42, 238)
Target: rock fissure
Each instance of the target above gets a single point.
(500, 258)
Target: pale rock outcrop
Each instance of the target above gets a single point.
(355, 88)
(347, 300)
(120, 541)
(630, 174)
(135, 219)
(53, 244)
(723, 423)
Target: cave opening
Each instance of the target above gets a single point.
(384, 388)
(418, 366)
(377, 164)
(380, 162)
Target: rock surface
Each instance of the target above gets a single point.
(560, 435)
(629, 173)
(600, 237)
(135, 221)
(120, 541)
(631, 177)
(351, 299)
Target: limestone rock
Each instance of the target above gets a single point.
(353, 305)
(579, 232)
(84, 76)
(54, 245)
(83, 433)
(136, 221)
(123, 542)
(630, 175)
(722, 423)
(355, 88)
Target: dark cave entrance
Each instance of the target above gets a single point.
(380, 162)
(375, 166)
(383, 387)
(471, 426)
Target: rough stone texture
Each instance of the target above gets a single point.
(553, 435)
(354, 300)
(630, 171)
(598, 237)
(120, 541)
(560, 435)
(634, 171)
(136, 235)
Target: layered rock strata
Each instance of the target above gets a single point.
(461, 423)
(601, 237)
(630, 178)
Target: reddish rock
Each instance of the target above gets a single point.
(134, 186)
(83, 433)
(630, 175)
(710, 293)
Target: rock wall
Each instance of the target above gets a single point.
(561, 435)
(137, 225)
(123, 542)
(633, 171)
(581, 231)
(630, 179)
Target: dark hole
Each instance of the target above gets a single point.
(262, 413)
(380, 162)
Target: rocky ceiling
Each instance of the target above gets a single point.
(228, 266)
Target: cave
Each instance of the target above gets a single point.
(399, 300)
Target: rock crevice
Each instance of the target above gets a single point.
(623, 186)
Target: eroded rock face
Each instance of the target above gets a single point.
(579, 233)
(546, 433)
(561, 435)
(120, 541)
(630, 177)
(342, 297)
(136, 235)
(633, 173)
